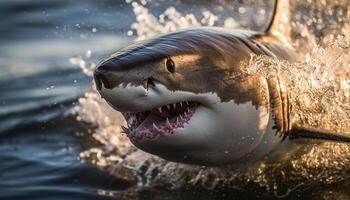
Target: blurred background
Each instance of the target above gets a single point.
(47, 52)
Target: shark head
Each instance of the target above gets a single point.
(185, 95)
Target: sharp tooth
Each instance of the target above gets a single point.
(181, 117)
(160, 109)
(167, 122)
(174, 105)
(187, 103)
(168, 106)
(181, 104)
(155, 127)
(177, 120)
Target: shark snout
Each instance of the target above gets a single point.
(118, 70)
(127, 98)
(122, 92)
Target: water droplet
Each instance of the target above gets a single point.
(241, 10)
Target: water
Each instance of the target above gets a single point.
(59, 140)
(40, 140)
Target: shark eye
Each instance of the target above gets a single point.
(170, 65)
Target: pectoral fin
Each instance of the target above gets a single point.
(314, 133)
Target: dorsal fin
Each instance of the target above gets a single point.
(280, 23)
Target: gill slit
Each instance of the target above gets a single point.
(280, 108)
(284, 95)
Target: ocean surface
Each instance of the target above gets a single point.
(40, 139)
(42, 44)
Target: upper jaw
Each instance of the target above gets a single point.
(134, 98)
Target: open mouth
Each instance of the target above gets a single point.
(159, 121)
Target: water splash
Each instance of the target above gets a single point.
(86, 67)
(322, 76)
(318, 85)
(148, 25)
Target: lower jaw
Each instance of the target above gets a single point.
(166, 127)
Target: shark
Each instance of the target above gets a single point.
(185, 96)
